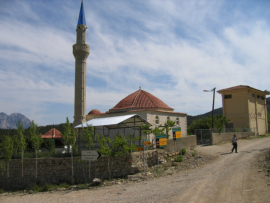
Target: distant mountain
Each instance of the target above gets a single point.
(9, 122)
(190, 119)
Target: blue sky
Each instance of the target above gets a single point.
(173, 49)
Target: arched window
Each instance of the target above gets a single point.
(177, 121)
(157, 120)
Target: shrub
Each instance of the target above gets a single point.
(179, 158)
(184, 151)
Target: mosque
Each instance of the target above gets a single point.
(140, 107)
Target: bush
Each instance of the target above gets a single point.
(184, 151)
(179, 158)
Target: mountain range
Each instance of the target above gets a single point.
(9, 122)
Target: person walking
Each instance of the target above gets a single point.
(234, 143)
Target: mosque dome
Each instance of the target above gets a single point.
(141, 100)
(94, 111)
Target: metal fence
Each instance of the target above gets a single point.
(203, 136)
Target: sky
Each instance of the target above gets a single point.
(173, 49)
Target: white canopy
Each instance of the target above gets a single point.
(126, 121)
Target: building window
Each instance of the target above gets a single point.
(262, 98)
(253, 95)
(177, 121)
(227, 96)
(168, 118)
(258, 96)
(157, 120)
(229, 125)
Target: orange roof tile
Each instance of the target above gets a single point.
(141, 99)
(52, 133)
(238, 87)
(94, 111)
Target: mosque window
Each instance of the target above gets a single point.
(177, 121)
(157, 120)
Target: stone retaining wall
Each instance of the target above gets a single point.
(219, 137)
(58, 170)
(187, 142)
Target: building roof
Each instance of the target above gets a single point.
(141, 99)
(81, 20)
(239, 87)
(126, 121)
(94, 112)
(52, 133)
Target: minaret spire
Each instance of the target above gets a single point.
(81, 20)
(81, 51)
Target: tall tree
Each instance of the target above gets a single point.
(7, 148)
(145, 130)
(112, 148)
(168, 126)
(21, 142)
(69, 136)
(89, 137)
(35, 138)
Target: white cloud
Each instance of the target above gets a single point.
(173, 49)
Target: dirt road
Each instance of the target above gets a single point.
(230, 178)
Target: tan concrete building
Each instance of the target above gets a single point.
(144, 104)
(245, 107)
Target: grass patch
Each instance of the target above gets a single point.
(256, 137)
(179, 158)
(42, 188)
(2, 191)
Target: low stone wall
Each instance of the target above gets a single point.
(188, 142)
(58, 170)
(219, 137)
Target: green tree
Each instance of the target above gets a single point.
(69, 136)
(89, 137)
(158, 130)
(145, 130)
(113, 148)
(21, 142)
(219, 122)
(7, 148)
(50, 145)
(168, 126)
(35, 138)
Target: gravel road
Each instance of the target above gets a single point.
(232, 177)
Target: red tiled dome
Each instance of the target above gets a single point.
(52, 133)
(141, 100)
(94, 111)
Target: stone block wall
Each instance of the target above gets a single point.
(58, 170)
(219, 137)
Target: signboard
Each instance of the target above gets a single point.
(140, 148)
(90, 155)
(147, 142)
(177, 133)
(161, 141)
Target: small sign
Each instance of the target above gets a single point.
(177, 133)
(161, 140)
(147, 142)
(90, 155)
(140, 148)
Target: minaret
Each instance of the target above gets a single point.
(80, 51)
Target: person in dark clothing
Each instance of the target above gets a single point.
(234, 143)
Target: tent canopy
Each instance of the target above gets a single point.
(126, 121)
